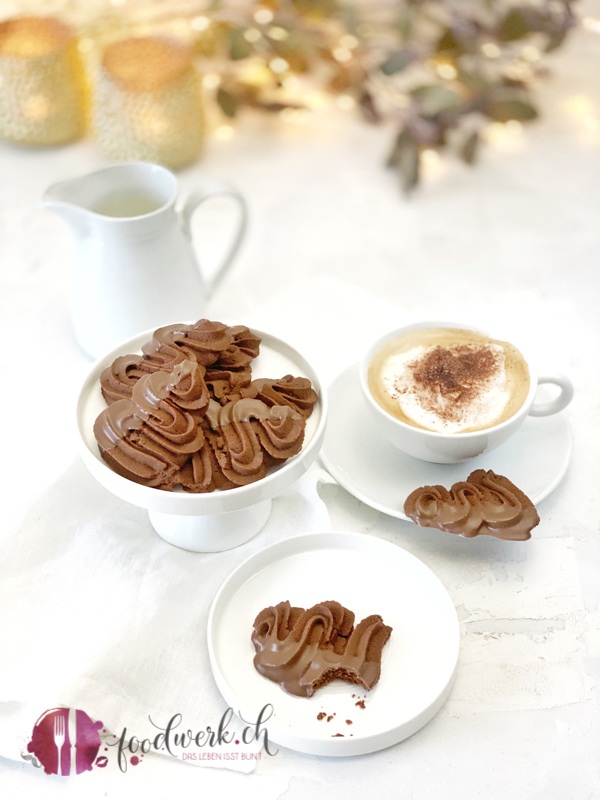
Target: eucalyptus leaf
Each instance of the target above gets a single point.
(410, 169)
(368, 107)
(227, 102)
(394, 155)
(239, 47)
(514, 26)
(404, 157)
(435, 99)
(396, 62)
(470, 148)
(505, 110)
(556, 39)
(450, 44)
(317, 8)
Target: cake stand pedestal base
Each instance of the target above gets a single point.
(211, 533)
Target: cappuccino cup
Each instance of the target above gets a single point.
(445, 392)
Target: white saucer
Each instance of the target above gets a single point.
(535, 459)
(369, 576)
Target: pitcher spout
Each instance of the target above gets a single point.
(65, 199)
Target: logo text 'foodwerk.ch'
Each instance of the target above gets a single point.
(65, 741)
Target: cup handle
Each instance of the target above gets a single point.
(556, 404)
(191, 204)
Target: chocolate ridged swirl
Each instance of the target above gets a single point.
(484, 504)
(225, 351)
(148, 437)
(304, 649)
(294, 392)
(204, 341)
(242, 440)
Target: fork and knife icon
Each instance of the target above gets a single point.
(65, 724)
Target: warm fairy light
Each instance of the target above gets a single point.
(582, 109)
(252, 35)
(291, 83)
(578, 105)
(505, 135)
(85, 45)
(211, 80)
(346, 102)
(179, 28)
(292, 114)
(256, 73)
(200, 23)
(315, 99)
(263, 16)
(591, 24)
(490, 49)
(446, 71)
(531, 53)
(224, 133)
(349, 41)
(36, 108)
(431, 162)
(519, 70)
(342, 54)
(153, 123)
(279, 65)
(430, 159)
(277, 33)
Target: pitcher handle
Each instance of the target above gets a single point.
(191, 204)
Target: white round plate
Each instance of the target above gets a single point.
(369, 576)
(535, 459)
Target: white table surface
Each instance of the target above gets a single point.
(515, 240)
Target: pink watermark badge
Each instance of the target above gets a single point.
(65, 741)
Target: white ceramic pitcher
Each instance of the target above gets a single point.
(135, 265)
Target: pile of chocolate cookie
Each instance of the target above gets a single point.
(187, 413)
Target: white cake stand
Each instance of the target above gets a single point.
(218, 520)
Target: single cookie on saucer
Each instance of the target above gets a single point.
(305, 649)
(485, 504)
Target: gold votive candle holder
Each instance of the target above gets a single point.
(148, 102)
(43, 95)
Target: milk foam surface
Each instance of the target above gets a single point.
(445, 412)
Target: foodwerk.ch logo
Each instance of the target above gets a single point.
(66, 741)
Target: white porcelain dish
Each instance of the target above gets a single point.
(217, 520)
(369, 576)
(536, 458)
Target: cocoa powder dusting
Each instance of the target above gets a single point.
(456, 373)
